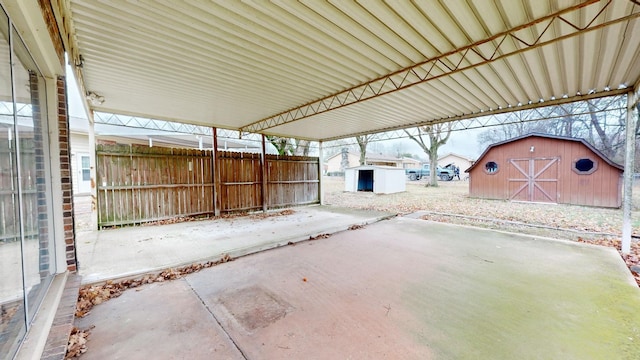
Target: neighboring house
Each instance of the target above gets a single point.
(382, 160)
(335, 162)
(548, 169)
(462, 162)
(411, 163)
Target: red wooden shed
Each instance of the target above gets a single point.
(549, 169)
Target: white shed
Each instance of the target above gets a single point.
(378, 179)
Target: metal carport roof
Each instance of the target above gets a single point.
(329, 69)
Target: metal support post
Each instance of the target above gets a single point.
(216, 174)
(93, 174)
(263, 167)
(320, 172)
(630, 149)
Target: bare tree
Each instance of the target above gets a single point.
(282, 144)
(437, 135)
(288, 146)
(302, 148)
(363, 141)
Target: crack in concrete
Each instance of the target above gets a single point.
(244, 356)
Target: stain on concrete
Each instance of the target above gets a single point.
(254, 307)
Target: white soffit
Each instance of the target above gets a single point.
(267, 66)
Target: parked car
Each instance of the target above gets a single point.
(425, 171)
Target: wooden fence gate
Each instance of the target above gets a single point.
(138, 184)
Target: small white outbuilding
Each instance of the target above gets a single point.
(376, 179)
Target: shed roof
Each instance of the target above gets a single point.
(547, 136)
(323, 70)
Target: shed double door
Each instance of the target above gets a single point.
(533, 179)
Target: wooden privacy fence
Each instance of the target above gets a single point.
(292, 180)
(139, 184)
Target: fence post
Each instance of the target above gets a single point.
(216, 174)
(263, 167)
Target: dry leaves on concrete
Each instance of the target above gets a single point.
(91, 295)
(320, 236)
(264, 215)
(181, 219)
(77, 343)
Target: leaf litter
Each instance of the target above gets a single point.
(92, 295)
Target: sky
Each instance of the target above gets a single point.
(463, 142)
(76, 109)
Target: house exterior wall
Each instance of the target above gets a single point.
(600, 188)
(384, 162)
(459, 161)
(408, 163)
(79, 145)
(333, 163)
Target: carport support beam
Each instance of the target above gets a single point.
(216, 173)
(93, 174)
(263, 168)
(630, 149)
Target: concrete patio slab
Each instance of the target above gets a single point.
(160, 321)
(122, 252)
(397, 289)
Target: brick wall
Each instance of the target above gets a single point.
(65, 175)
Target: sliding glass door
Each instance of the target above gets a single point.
(26, 248)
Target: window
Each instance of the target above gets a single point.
(491, 167)
(585, 166)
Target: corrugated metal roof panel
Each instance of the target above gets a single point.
(233, 64)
